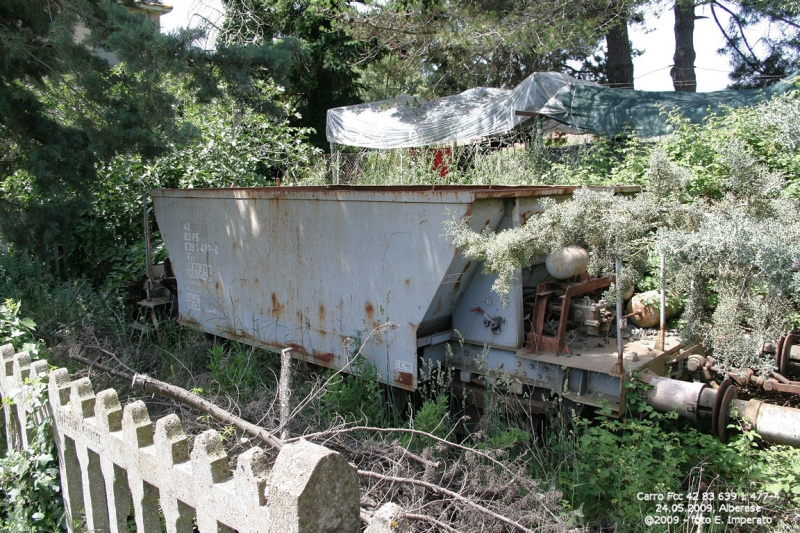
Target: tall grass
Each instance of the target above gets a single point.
(586, 162)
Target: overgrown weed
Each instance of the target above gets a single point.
(53, 302)
(30, 487)
(606, 466)
(359, 396)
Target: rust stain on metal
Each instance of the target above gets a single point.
(404, 379)
(322, 312)
(323, 358)
(190, 322)
(218, 285)
(408, 281)
(370, 310)
(297, 348)
(275, 203)
(277, 307)
(241, 334)
(320, 358)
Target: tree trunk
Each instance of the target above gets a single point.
(619, 59)
(683, 76)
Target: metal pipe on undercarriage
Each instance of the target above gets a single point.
(774, 423)
(696, 401)
(673, 395)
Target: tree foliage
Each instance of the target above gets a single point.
(775, 55)
(232, 145)
(65, 111)
(464, 44)
(325, 75)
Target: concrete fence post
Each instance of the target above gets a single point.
(118, 496)
(313, 489)
(59, 386)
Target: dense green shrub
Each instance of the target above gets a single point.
(221, 143)
(611, 463)
(30, 489)
(359, 397)
(719, 208)
(51, 302)
(13, 329)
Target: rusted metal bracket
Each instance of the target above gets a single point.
(493, 322)
(537, 341)
(781, 384)
(777, 382)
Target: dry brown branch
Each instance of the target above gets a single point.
(417, 432)
(192, 400)
(445, 492)
(384, 454)
(431, 520)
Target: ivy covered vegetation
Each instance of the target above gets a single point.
(30, 490)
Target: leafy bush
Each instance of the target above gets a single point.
(768, 132)
(221, 142)
(52, 302)
(30, 488)
(236, 366)
(431, 418)
(18, 331)
(360, 397)
(717, 203)
(613, 461)
(602, 162)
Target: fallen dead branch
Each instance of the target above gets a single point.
(425, 518)
(471, 493)
(320, 434)
(445, 492)
(179, 394)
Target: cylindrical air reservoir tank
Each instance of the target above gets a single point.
(567, 262)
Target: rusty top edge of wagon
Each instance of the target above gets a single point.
(409, 193)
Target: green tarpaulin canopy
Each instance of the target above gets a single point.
(612, 112)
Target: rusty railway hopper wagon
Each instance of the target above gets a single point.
(318, 269)
(322, 270)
